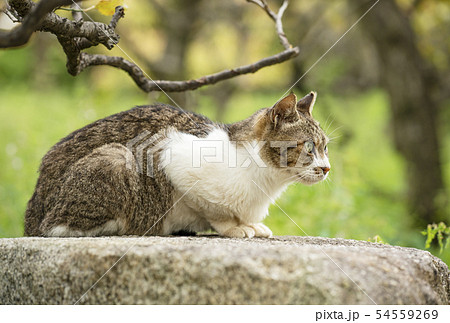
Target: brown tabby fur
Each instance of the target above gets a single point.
(84, 181)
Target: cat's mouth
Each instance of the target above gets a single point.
(310, 180)
(311, 177)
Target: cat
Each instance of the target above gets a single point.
(159, 170)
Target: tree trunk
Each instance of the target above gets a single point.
(409, 82)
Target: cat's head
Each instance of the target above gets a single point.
(295, 143)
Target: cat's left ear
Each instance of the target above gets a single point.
(305, 105)
(284, 110)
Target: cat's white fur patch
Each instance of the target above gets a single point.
(218, 177)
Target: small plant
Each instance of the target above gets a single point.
(377, 239)
(440, 231)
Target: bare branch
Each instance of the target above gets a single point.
(277, 18)
(111, 37)
(95, 32)
(148, 85)
(77, 15)
(74, 36)
(10, 12)
(279, 25)
(263, 4)
(12, 15)
(21, 34)
(73, 46)
(119, 13)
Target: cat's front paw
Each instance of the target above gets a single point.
(261, 230)
(241, 231)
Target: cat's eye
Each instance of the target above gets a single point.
(326, 150)
(309, 147)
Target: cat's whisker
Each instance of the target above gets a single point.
(329, 126)
(326, 122)
(297, 176)
(334, 138)
(329, 135)
(328, 181)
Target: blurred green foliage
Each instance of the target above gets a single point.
(365, 194)
(439, 231)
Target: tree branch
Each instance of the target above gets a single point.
(263, 4)
(76, 14)
(149, 85)
(119, 13)
(73, 46)
(95, 32)
(74, 36)
(21, 34)
(11, 13)
(277, 18)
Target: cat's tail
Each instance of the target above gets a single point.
(34, 216)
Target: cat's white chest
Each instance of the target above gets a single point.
(213, 177)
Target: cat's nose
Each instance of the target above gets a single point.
(325, 170)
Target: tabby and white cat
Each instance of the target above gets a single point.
(158, 170)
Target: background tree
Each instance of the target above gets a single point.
(413, 87)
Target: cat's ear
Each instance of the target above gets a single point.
(305, 105)
(284, 110)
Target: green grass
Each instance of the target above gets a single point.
(364, 197)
